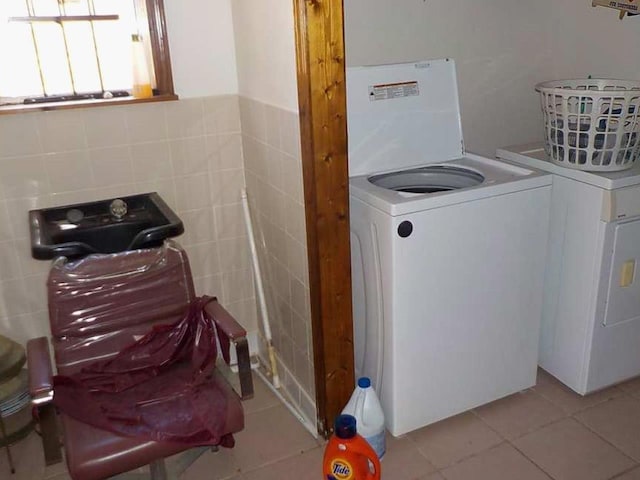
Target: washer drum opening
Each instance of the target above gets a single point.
(429, 179)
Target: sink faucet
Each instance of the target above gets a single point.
(118, 208)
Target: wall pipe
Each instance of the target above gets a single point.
(260, 290)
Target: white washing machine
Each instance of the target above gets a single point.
(590, 334)
(448, 250)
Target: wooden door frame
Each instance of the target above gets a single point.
(319, 28)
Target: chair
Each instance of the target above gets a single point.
(97, 306)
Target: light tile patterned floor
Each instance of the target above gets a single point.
(547, 432)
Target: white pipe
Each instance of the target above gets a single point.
(301, 418)
(260, 289)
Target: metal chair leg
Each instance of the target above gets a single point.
(50, 436)
(5, 439)
(185, 460)
(158, 470)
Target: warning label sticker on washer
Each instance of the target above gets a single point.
(390, 91)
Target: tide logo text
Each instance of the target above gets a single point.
(341, 469)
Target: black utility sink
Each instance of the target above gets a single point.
(106, 226)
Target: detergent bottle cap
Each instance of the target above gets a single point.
(345, 426)
(364, 382)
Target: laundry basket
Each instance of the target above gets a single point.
(591, 124)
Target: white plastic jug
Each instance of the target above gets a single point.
(365, 406)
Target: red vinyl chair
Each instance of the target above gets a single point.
(97, 306)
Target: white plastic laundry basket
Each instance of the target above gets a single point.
(592, 124)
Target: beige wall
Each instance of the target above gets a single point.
(502, 49)
(265, 51)
(189, 151)
(202, 47)
(593, 41)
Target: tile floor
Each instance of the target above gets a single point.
(546, 432)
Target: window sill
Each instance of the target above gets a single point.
(40, 107)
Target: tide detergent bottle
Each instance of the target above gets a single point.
(349, 456)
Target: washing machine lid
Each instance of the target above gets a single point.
(403, 115)
(428, 179)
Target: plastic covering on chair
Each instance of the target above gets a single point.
(158, 388)
(135, 352)
(100, 304)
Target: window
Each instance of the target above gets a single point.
(78, 50)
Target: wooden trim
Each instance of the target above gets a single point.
(45, 107)
(322, 102)
(160, 46)
(65, 18)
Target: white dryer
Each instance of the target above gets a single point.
(590, 334)
(448, 250)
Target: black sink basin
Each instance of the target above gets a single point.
(102, 227)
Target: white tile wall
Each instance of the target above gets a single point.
(189, 151)
(273, 171)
